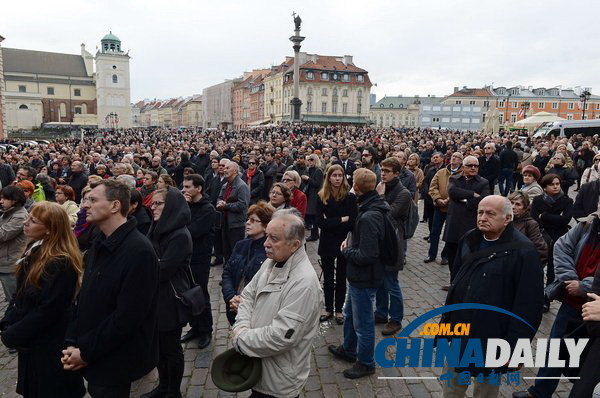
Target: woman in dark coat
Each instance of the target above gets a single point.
(246, 258)
(567, 175)
(337, 211)
(140, 212)
(312, 183)
(523, 222)
(553, 211)
(173, 245)
(255, 179)
(36, 320)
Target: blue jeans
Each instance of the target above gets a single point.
(359, 324)
(505, 181)
(545, 388)
(389, 298)
(439, 218)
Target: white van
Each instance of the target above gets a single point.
(567, 128)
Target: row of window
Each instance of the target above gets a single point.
(515, 104)
(50, 91)
(62, 109)
(334, 107)
(345, 77)
(448, 108)
(464, 120)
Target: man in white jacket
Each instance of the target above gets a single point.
(278, 316)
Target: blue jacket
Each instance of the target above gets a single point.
(245, 261)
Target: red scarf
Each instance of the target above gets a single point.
(249, 174)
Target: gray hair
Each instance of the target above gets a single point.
(470, 157)
(507, 208)
(293, 174)
(127, 179)
(294, 228)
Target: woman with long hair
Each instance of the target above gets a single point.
(413, 165)
(173, 245)
(337, 211)
(36, 321)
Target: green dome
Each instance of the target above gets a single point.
(111, 37)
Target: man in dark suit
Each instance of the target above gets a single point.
(214, 190)
(346, 163)
(489, 165)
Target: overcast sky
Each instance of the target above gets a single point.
(179, 47)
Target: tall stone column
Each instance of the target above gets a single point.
(296, 103)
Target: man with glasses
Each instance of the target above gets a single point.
(465, 191)
(369, 162)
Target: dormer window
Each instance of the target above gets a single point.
(360, 78)
(324, 76)
(391, 105)
(310, 75)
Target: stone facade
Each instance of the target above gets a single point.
(400, 111)
(273, 96)
(43, 87)
(332, 89)
(217, 102)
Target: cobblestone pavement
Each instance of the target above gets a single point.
(421, 289)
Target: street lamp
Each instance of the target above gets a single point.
(507, 114)
(585, 96)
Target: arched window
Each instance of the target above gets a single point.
(391, 105)
(115, 79)
(112, 46)
(23, 106)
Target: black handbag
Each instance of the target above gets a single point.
(190, 301)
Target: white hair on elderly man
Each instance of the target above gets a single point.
(294, 229)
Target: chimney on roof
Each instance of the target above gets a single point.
(464, 87)
(347, 60)
(455, 89)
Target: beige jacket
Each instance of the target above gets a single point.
(438, 188)
(277, 321)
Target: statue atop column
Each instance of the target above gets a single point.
(297, 21)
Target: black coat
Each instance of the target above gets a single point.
(489, 168)
(312, 187)
(115, 323)
(270, 172)
(77, 181)
(399, 198)
(364, 268)
(333, 230)
(173, 245)
(202, 230)
(587, 198)
(257, 185)
(511, 279)
(462, 207)
(7, 175)
(143, 217)
(35, 323)
(553, 218)
(244, 262)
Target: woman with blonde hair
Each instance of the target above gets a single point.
(291, 179)
(336, 213)
(36, 321)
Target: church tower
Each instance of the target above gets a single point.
(112, 84)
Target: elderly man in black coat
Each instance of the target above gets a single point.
(465, 191)
(498, 266)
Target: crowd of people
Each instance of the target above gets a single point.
(106, 236)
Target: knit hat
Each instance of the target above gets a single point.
(235, 372)
(531, 169)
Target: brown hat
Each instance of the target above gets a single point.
(531, 169)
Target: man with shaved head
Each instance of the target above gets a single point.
(499, 266)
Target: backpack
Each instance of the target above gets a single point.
(411, 221)
(391, 247)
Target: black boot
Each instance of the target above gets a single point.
(159, 391)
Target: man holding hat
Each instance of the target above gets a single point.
(279, 312)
